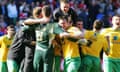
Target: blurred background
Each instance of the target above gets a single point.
(14, 11)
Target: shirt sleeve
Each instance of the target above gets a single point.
(86, 35)
(57, 29)
(105, 45)
(18, 40)
(29, 27)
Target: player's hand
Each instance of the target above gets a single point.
(65, 34)
(33, 43)
(28, 22)
(82, 42)
(78, 34)
(89, 42)
(44, 20)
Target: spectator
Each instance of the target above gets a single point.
(12, 12)
(27, 10)
(80, 25)
(18, 25)
(100, 15)
(2, 22)
(3, 25)
(106, 22)
(3, 11)
(118, 10)
(29, 1)
(22, 6)
(37, 4)
(2, 31)
(84, 16)
(32, 5)
(64, 10)
(93, 10)
(109, 7)
(23, 11)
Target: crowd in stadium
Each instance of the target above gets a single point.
(87, 10)
(59, 35)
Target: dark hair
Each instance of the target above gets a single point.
(12, 1)
(98, 24)
(79, 19)
(64, 18)
(11, 26)
(47, 10)
(116, 15)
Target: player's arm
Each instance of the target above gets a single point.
(106, 47)
(36, 21)
(57, 42)
(78, 35)
(85, 39)
(64, 34)
(29, 42)
(69, 35)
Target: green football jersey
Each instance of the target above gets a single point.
(45, 33)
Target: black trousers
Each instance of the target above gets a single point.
(28, 60)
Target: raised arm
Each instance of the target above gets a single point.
(36, 21)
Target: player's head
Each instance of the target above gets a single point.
(79, 23)
(116, 21)
(46, 11)
(64, 22)
(10, 30)
(98, 25)
(37, 12)
(64, 5)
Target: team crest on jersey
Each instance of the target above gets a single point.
(95, 34)
(115, 38)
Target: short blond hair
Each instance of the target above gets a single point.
(36, 12)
